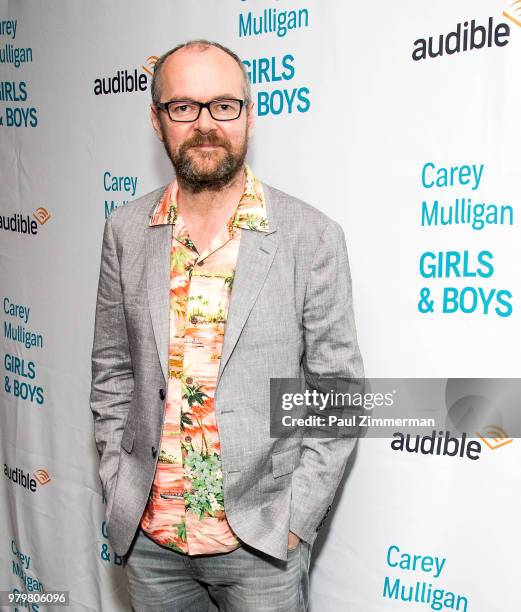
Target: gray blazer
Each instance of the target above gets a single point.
(290, 316)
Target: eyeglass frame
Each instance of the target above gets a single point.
(164, 107)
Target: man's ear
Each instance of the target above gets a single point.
(154, 117)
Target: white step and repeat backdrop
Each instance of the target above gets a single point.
(399, 119)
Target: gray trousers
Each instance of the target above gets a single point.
(244, 580)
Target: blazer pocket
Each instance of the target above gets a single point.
(284, 462)
(127, 440)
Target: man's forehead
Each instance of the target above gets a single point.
(194, 71)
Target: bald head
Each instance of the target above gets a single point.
(199, 65)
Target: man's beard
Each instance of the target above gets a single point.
(191, 177)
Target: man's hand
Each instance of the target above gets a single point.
(293, 540)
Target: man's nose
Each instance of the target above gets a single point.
(205, 122)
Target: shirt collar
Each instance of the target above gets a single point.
(250, 213)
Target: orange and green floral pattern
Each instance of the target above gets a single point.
(185, 509)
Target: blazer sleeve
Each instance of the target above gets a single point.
(330, 350)
(112, 374)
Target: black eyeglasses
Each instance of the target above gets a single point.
(189, 110)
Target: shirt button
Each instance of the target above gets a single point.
(154, 452)
(162, 394)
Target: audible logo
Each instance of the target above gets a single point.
(513, 12)
(42, 215)
(466, 37)
(151, 62)
(24, 224)
(496, 437)
(438, 443)
(125, 81)
(19, 477)
(42, 476)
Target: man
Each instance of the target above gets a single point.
(208, 288)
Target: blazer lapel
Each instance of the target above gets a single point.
(256, 252)
(158, 245)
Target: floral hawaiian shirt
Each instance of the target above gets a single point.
(185, 508)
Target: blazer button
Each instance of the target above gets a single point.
(162, 394)
(154, 452)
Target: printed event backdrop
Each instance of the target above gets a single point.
(398, 119)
